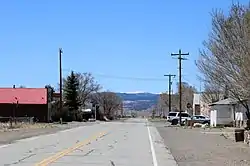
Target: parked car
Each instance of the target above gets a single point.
(201, 119)
(171, 115)
(176, 116)
(91, 120)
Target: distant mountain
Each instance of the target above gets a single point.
(138, 101)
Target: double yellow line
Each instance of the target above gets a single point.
(59, 155)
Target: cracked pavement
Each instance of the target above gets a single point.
(22, 133)
(129, 143)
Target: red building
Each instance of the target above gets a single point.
(24, 102)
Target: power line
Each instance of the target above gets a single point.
(134, 78)
(129, 78)
(122, 77)
(180, 58)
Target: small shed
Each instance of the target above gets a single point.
(225, 110)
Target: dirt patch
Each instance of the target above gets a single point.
(199, 147)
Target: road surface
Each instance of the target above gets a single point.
(22, 133)
(131, 143)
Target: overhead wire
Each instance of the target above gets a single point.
(128, 78)
(98, 75)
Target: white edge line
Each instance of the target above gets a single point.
(152, 148)
(28, 139)
(4, 146)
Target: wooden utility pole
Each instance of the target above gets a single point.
(169, 90)
(180, 58)
(60, 68)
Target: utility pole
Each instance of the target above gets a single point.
(180, 58)
(169, 90)
(60, 68)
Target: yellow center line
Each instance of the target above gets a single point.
(59, 155)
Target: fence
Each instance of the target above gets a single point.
(17, 119)
(216, 118)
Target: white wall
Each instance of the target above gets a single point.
(204, 108)
(225, 113)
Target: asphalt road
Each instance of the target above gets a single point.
(22, 133)
(131, 143)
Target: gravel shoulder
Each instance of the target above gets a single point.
(196, 148)
(22, 133)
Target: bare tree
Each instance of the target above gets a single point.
(87, 86)
(187, 97)
(163, 102)
(160, 106)
(211, 93)
(224, 62)
(109, 102)
(187, 94)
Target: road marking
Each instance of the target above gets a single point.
(152, 148)
(28, 139)
(63, 153)
(4, 146)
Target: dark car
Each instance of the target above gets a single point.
(201, 119)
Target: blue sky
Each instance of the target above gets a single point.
(111, 38)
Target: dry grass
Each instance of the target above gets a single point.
(22, 125)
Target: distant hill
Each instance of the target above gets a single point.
(138, 101)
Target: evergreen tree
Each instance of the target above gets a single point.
(51, 91)
(71, 94)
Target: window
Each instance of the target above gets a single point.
(196, 117)
(184, 115)
(202, 117)
(172, 114)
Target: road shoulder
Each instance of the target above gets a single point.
(163, 154)
(198, 148)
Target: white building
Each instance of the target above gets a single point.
(199, 106)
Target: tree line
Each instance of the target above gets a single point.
(187, 97)
(81, 92)
(224, 60)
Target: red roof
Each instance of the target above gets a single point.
(23, 95)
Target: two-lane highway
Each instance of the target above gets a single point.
(130, 143)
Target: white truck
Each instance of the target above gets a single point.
(174, 117)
